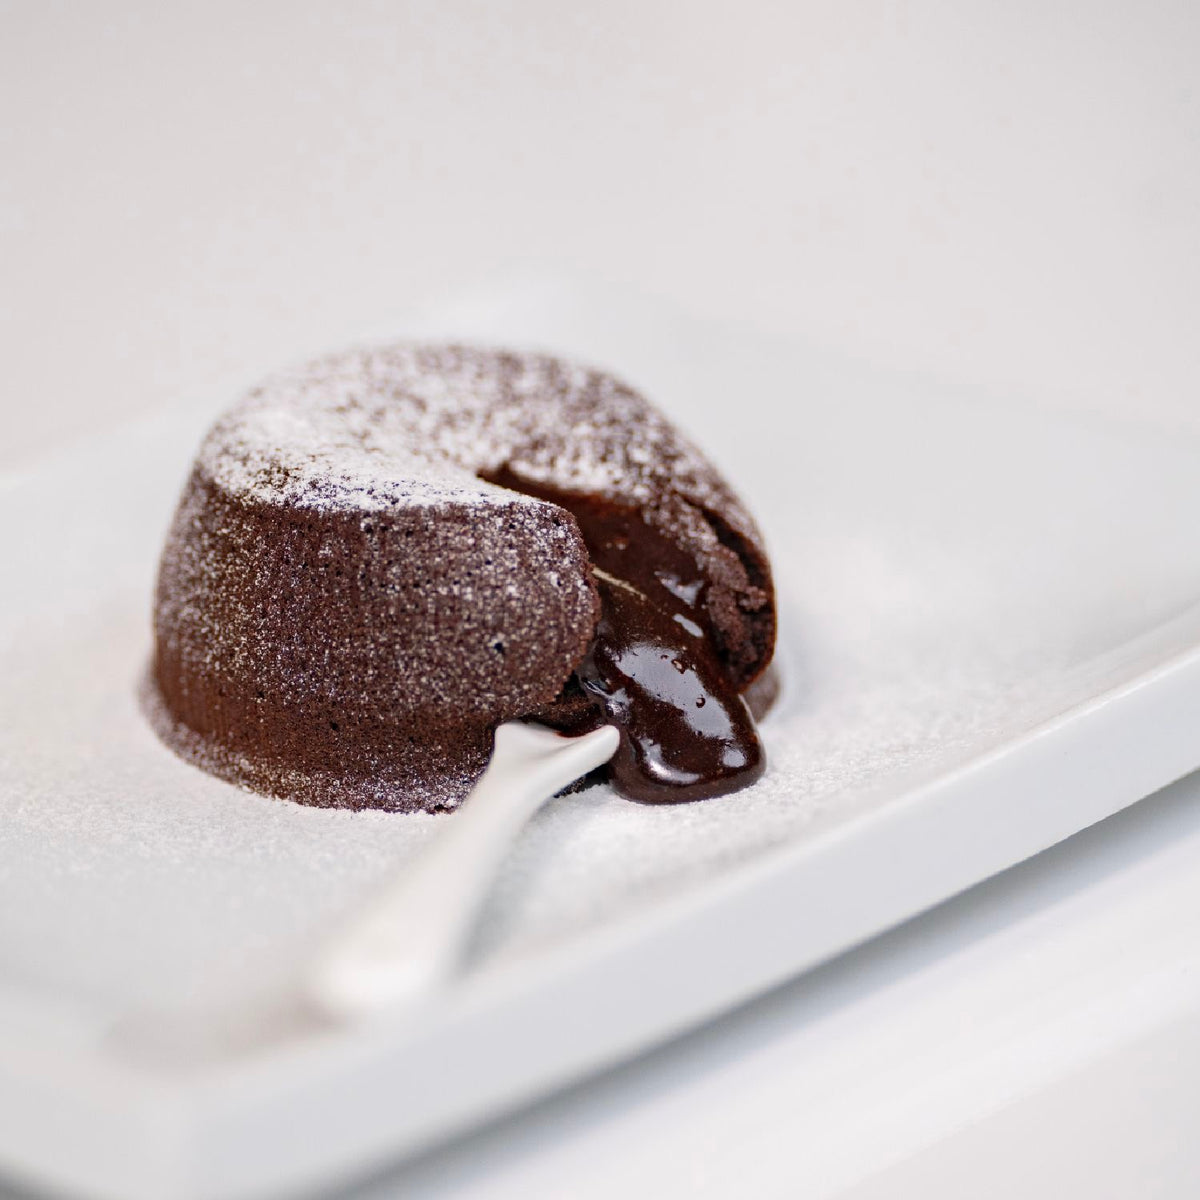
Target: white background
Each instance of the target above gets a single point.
(1006, 194)
(1002, 192)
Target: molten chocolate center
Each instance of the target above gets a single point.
(686, 733)
(654, 669)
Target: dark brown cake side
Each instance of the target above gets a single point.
(346, 607)
(311, 654)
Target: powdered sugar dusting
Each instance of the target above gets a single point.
(416, 425)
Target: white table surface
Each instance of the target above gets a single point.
(1006, 195)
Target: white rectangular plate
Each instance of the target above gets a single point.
(990, 640)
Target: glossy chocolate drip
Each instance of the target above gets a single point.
(686, 733)
(654, 669)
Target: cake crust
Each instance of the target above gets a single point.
(361, 579)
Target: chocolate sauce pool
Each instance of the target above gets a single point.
(654, 669)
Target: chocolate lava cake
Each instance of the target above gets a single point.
(379, 557)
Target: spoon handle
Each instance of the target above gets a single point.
(409, 939)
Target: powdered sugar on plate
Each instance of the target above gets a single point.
(950, 574)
